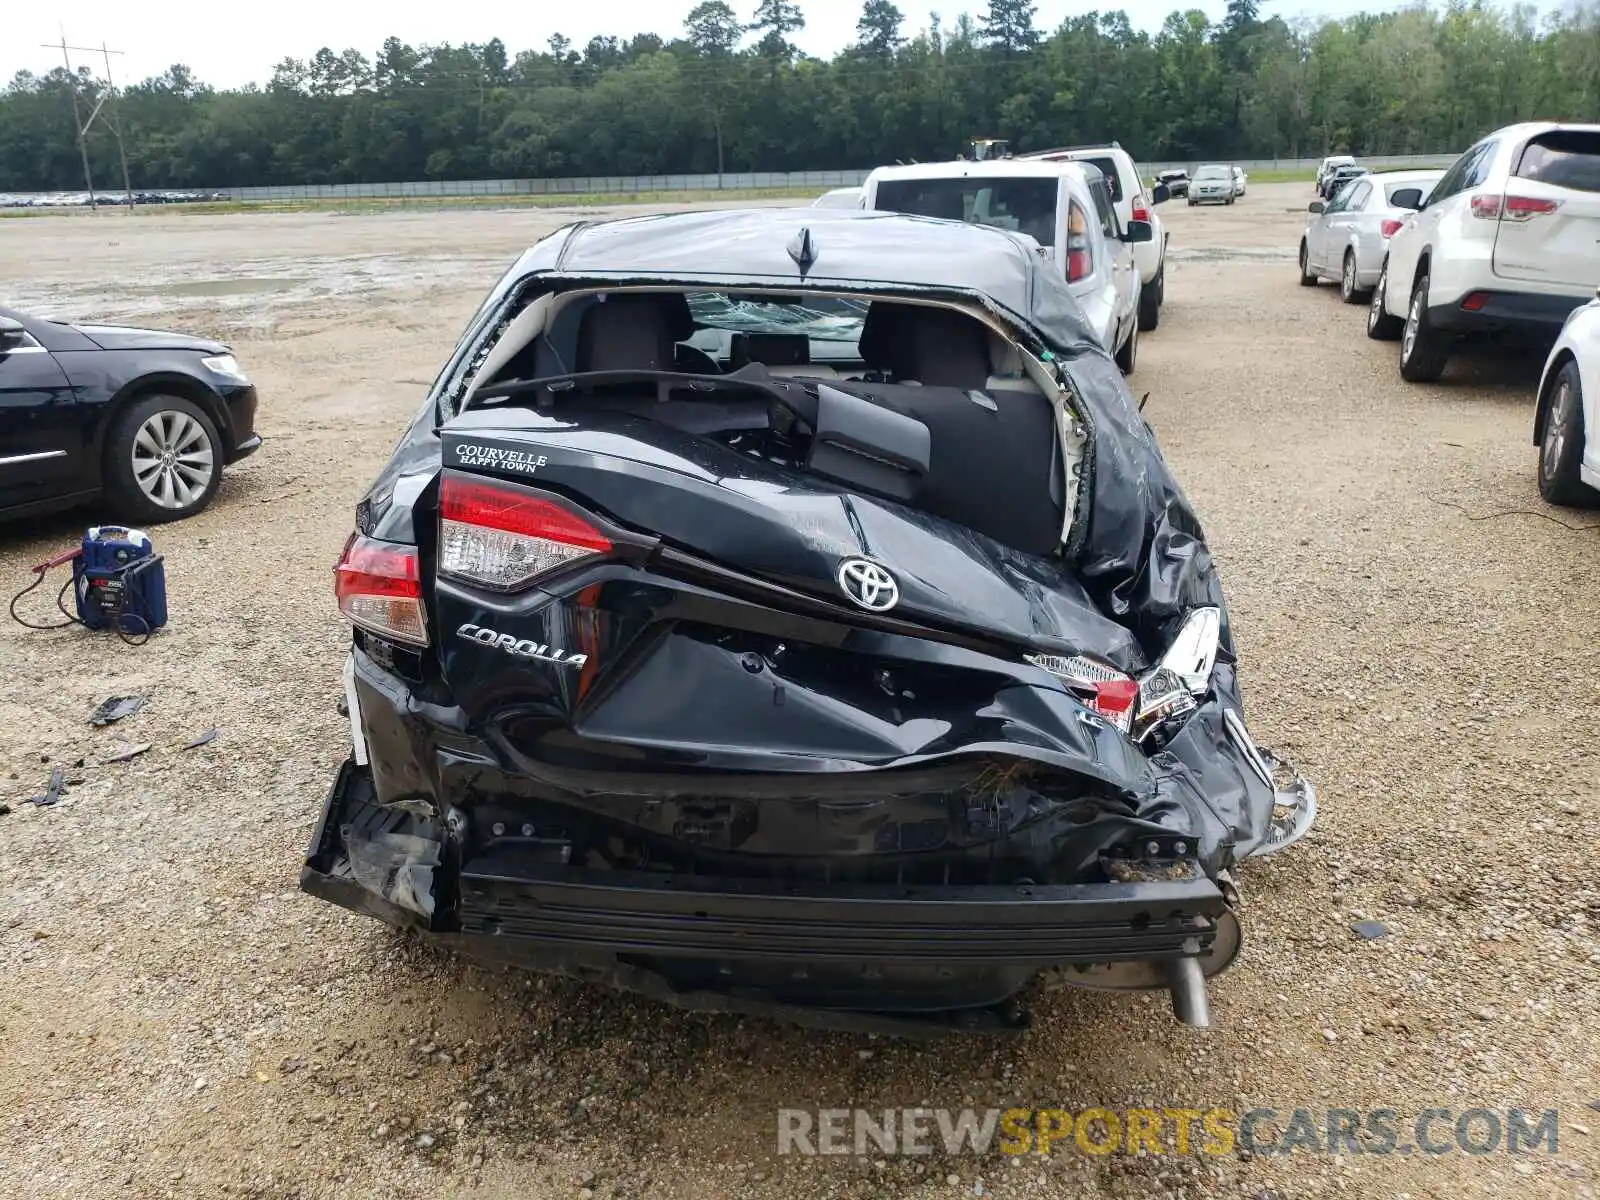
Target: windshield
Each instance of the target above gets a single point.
(1018, 203)
(1212, 173)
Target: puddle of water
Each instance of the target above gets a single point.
(235, 286)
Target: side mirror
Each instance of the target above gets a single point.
(1407, 198)
(1316, 206)
(1138, 231)
(1160, 194)
(11, 333)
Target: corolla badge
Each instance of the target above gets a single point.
(867, 584)
(520, 647)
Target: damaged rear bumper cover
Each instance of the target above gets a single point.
(883, 958)
(913, 912)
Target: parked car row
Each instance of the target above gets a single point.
(1501, 249)
(114, 199)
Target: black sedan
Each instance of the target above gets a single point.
(143, 419)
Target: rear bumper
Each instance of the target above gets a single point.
(1534, 315)
(881, 957)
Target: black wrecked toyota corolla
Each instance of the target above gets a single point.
(788, 611)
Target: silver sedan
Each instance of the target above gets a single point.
(1346, 237)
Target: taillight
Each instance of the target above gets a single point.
(1389, 227)
(1512, 208)
(504, 537)
(1140, 211)
(1525, 208)
(379, 588)
(1078, 264)
(1099, 686)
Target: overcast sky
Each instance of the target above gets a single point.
(229, 45)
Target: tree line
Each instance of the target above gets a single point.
(732, 92)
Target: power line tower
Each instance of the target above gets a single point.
(104, 110)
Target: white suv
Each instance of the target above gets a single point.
(1064, 209)
(1508, 242)
(1132, 203)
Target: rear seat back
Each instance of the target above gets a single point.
(935, 346)
(627, 331)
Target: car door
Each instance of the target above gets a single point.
(1317, 232)
(1089, 276)
(41, 447)
(1339, 228)
(1124, 270)
(1421, 229)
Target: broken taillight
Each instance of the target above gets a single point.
(503, 537)
(1099, 686)
(1170, 688)
(378, 586)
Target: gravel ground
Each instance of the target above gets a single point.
(1417, 630)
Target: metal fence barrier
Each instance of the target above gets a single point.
(629, 185)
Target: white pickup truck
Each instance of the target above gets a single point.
(1066, 207)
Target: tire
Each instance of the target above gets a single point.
(1308, 278)
(1349, 289)
(163, 460)
(1231, 199)
(1191, 203)
(1381, 326)
(1150, 300)
(1127, 355)
(1561, 449)
(1424, 350)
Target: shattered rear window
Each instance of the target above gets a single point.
(821, 318)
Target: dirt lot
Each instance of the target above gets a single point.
(1417, 631)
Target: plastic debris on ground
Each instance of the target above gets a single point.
(115, 709)
(55, 789)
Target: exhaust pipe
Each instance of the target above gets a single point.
(1190, 1004)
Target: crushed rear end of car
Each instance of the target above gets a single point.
(875, 698)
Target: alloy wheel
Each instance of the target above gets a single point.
(1413, 321)
(1349, 280)
(1555, 430)
(1375, 310)
(172, 459)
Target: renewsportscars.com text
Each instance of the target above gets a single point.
(1181, 1131)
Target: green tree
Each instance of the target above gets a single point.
(878, 30)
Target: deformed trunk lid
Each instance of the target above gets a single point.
(788, 528)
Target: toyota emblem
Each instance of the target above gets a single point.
(868, 584)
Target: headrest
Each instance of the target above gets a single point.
(931, 345)
(633, 331)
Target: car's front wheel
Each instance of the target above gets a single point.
(1424, 350)
(1562, 448)
(163, 460)
(1381, 327)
